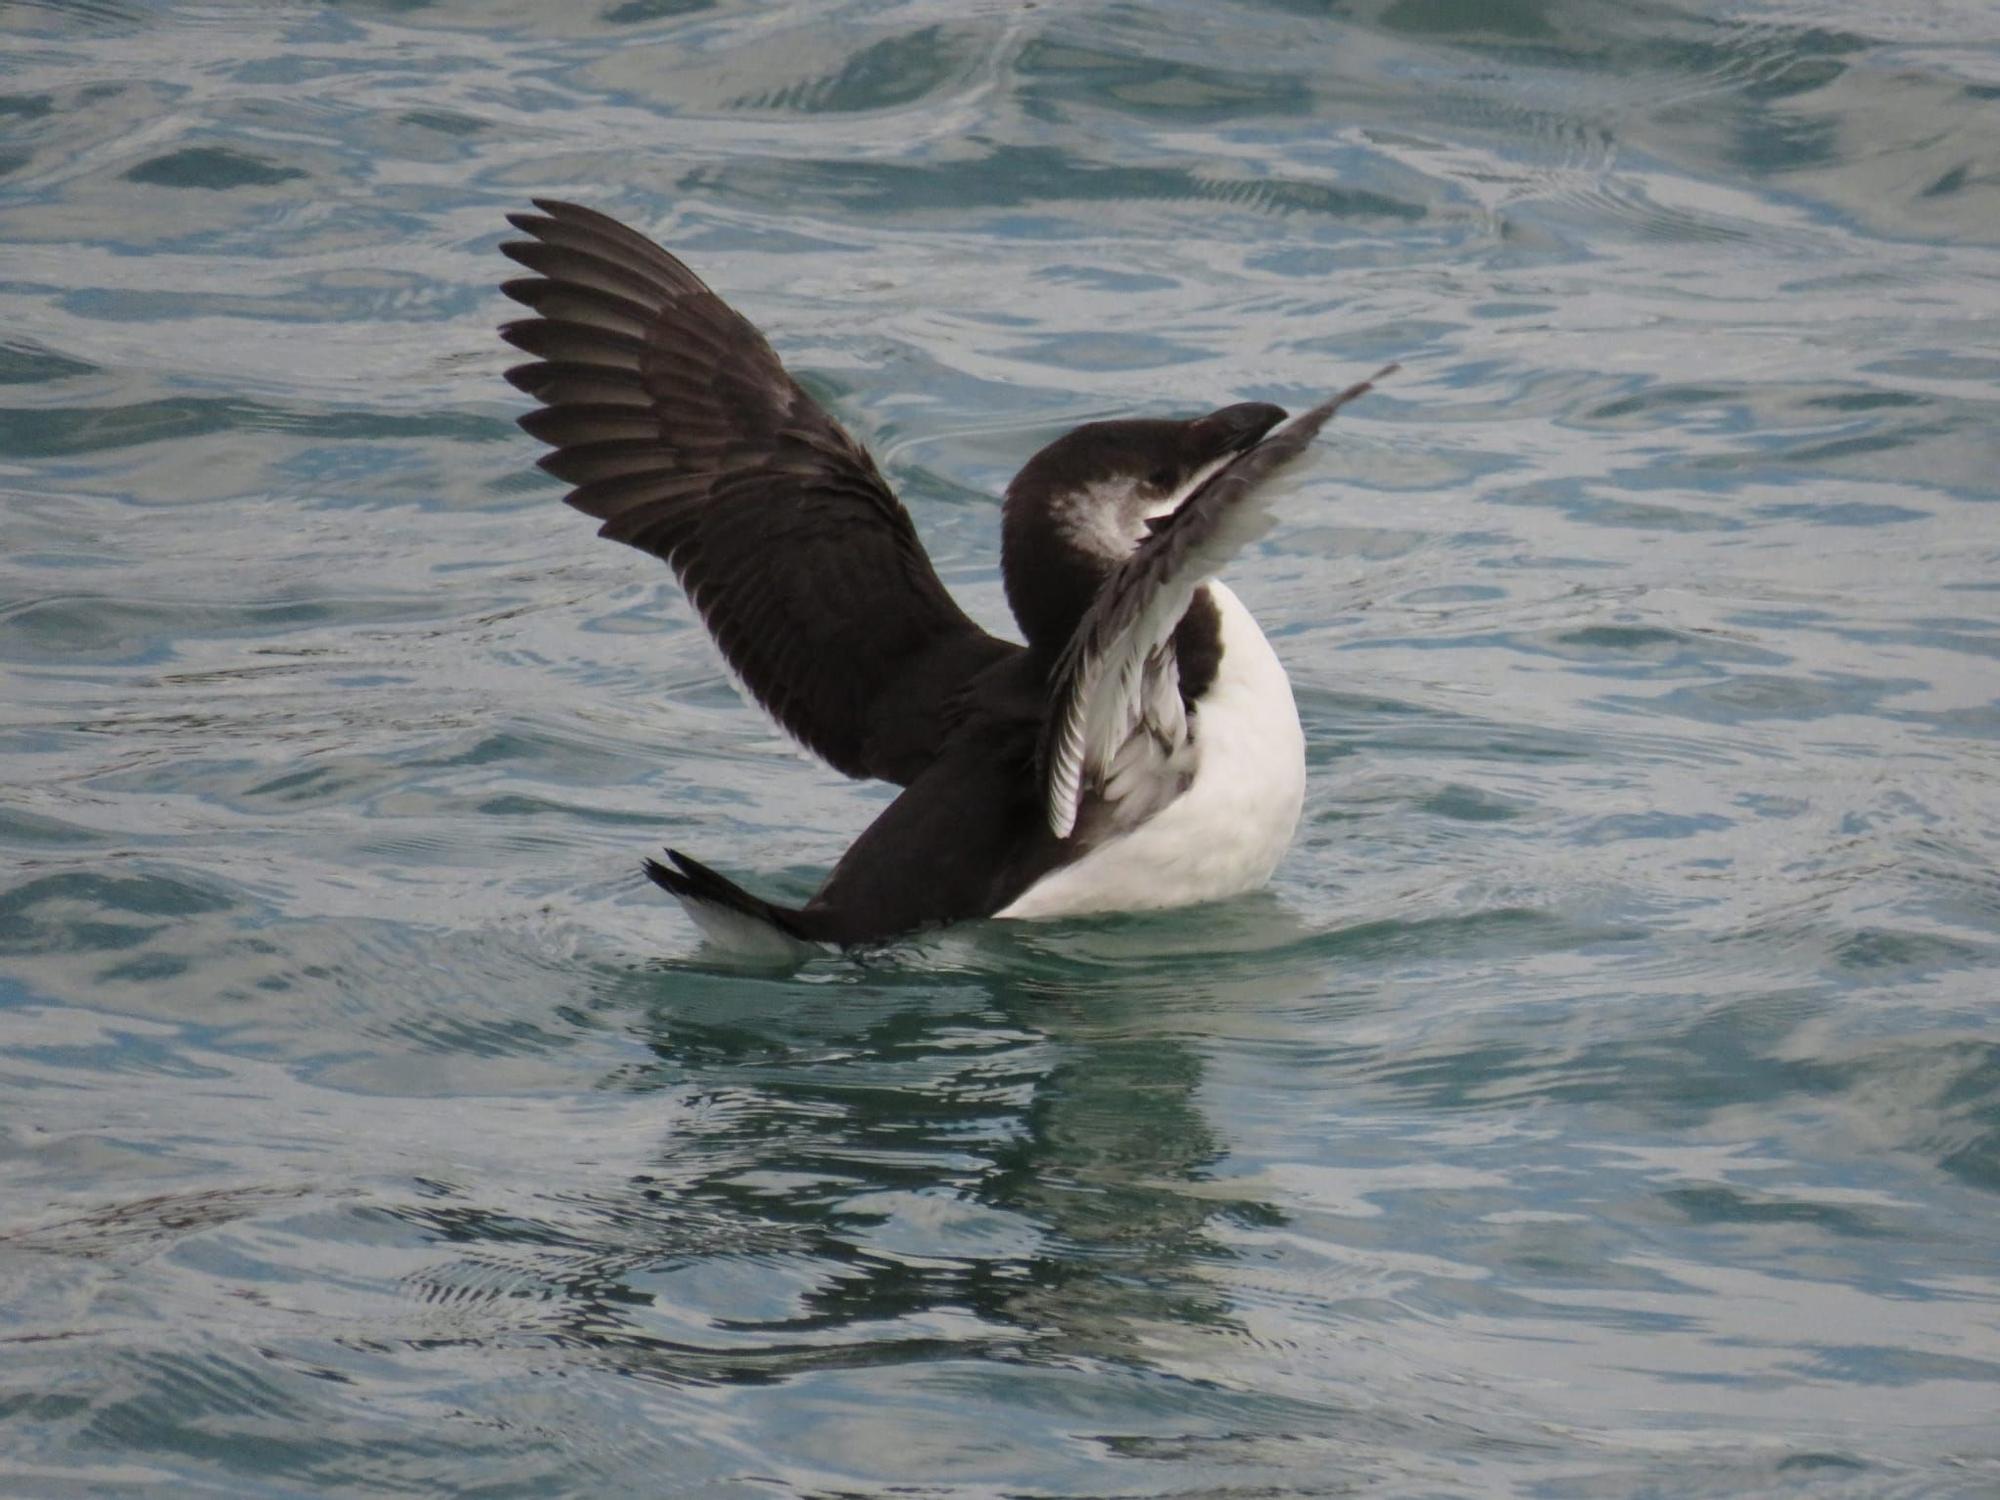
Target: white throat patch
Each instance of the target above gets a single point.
(1103, 520)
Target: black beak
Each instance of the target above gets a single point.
(1228, 433)
(1237, 429)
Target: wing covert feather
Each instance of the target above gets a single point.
(1118, 673)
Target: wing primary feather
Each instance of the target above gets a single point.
(1099, 679)
(556, 383)
(563, 341)
(616, 233)
(581, 306)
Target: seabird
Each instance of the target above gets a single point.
(1141, 751)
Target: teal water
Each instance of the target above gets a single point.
(1603, 1100)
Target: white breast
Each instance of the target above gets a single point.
(1226, 833)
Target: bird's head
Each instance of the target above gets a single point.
(1082, 505)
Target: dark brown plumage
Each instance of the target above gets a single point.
(685, 436)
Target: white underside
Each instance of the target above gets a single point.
(1226, 833)
(746, 937)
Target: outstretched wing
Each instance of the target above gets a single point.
(1116, 693)
(682, 432)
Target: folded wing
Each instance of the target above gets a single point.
(1116, 706)
(682, 432)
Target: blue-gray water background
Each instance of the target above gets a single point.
(1604, 1099)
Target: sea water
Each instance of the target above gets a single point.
(1604, 1099)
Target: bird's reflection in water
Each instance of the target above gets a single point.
(992, 1147)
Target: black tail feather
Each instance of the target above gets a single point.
(689, 880)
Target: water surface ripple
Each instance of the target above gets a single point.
(1605, 1098)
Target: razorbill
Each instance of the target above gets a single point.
(1140, 751)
